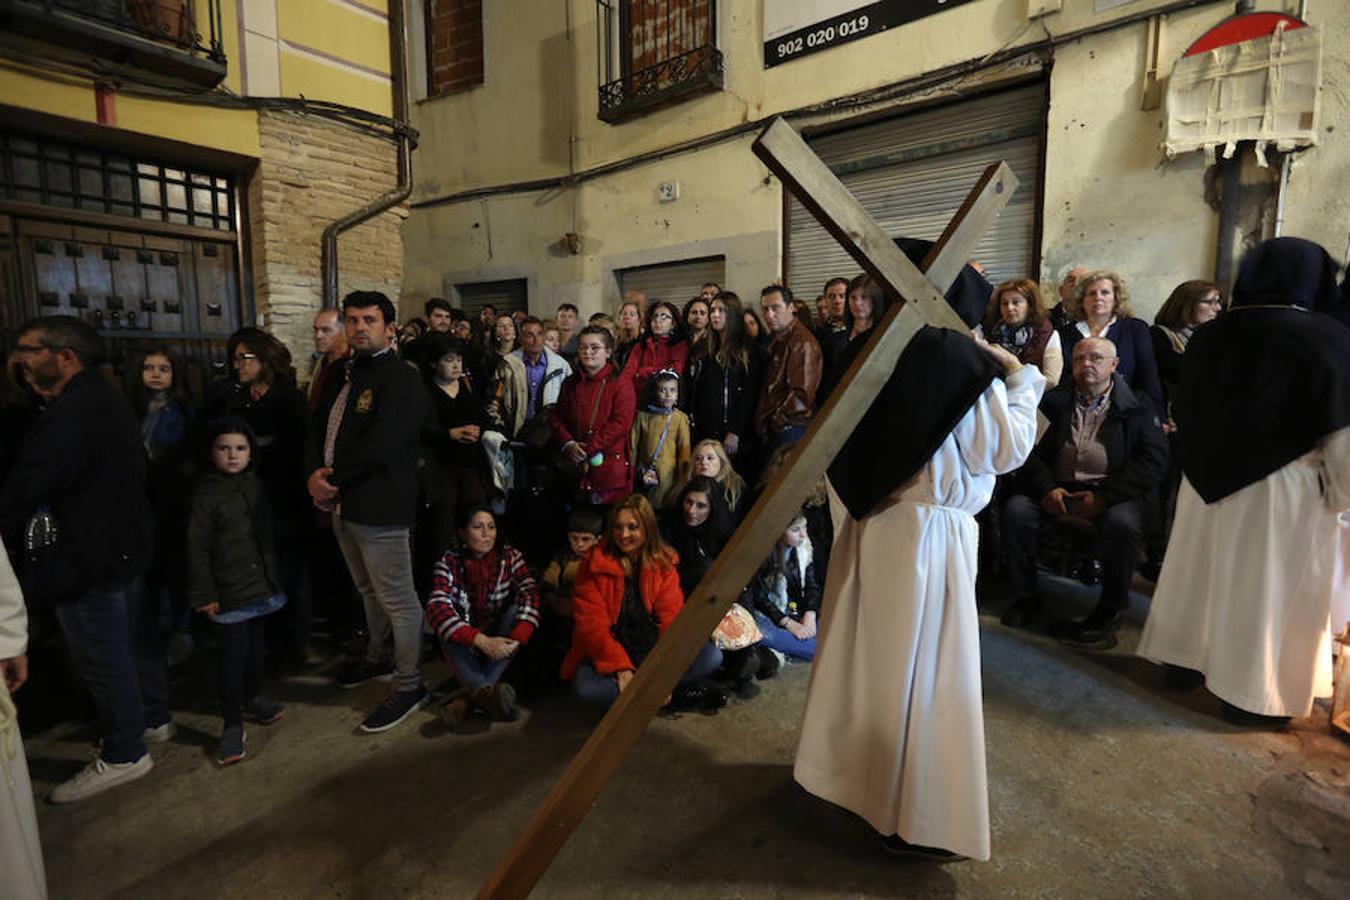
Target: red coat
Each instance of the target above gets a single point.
(608, 432)
(597, 596)
(652, 354)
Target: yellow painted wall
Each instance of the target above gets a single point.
(337, 29)
(305, 76)
(325, 25)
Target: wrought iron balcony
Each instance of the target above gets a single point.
(653, 53)
(177, 40)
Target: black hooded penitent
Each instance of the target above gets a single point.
(1262, 384)
(937, 379)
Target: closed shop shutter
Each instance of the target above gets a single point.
(504, 296)
(676, 282)
(911, 174)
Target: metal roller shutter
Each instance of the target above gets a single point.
(504, 296)
(675, 282)
(911, 174)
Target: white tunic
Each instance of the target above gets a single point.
(1249, 585)
(893, 728)
(22, 876)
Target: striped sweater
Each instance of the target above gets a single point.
(457, 619)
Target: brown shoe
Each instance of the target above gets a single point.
(455, 712)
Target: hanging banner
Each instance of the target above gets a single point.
(795, 28)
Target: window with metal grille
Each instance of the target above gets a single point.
(35, 170)
(653, 53)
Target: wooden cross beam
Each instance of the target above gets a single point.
(802, 173)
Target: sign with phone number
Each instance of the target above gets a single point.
(797, 33)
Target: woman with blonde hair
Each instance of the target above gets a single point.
(709, 459)
(1104, 312)
(1017, 321)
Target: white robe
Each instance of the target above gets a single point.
(22, 876)
(1249, 585)
(894, 728)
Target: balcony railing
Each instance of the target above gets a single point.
(653, 53)
(178, 39)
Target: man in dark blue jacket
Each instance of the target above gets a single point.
(82, 469)
(1101, 460)
(363, 463)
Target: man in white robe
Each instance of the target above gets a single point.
(1247, 591)
(894, 725)
(22, 876)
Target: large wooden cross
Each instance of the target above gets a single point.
(811, 182)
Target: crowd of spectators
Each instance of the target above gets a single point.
(532, 498)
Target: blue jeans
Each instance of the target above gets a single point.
(112, 635)
(602, 690)
(380, 562)
(474, 668)
(783, 640)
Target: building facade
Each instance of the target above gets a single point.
(604, 145)
(167, 167)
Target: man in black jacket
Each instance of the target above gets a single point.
(363, 463)
(1101, 460)
(82, 467)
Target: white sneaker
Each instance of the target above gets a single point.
(161, 734)
(98, 777)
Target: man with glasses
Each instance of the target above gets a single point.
(1099, 463)
(82, 470)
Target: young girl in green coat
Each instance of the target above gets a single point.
(233, 575)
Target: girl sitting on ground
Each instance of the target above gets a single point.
(234, 577)
(786, 594)
(484, 607)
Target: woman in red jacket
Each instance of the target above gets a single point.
(593, 420)
(626, 594)
(662, 346)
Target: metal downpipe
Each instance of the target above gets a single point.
(398, 57)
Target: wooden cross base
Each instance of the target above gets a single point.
(802, 173)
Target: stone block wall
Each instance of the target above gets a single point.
(311, 172)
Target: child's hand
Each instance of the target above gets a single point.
(808, 625)
(209, 609)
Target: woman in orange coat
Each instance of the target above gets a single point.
(626, 594)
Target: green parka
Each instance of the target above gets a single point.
(231, 551)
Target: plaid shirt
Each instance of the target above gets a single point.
(451, 612)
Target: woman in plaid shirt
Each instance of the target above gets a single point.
(484, 606)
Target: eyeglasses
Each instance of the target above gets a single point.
(663, 317)
(244, 357)
(590, 348)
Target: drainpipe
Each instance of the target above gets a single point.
(1287, 164)
(398, 58)
(1231, 171)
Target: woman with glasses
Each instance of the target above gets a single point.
(663, 346)
(265, 396)
(1190, 305)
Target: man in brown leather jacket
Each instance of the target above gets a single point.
(787, 396)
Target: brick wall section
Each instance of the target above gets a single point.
(313, 171)
(454, 45)
(664, 29)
